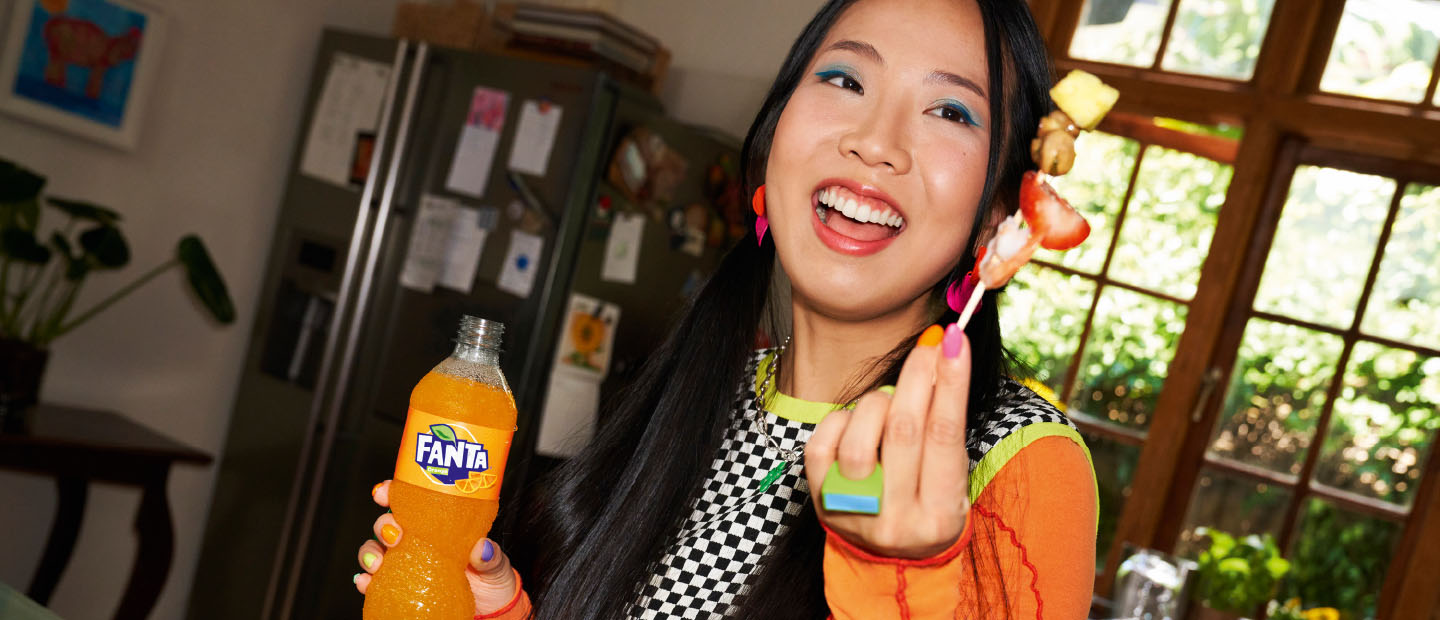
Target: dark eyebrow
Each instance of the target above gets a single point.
(945, 77)
(955, 80)
(864, 49)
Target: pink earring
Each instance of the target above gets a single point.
(959, 292)
(762, 224)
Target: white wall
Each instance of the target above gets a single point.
(724, 54)
(211, 160)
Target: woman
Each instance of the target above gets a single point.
(919, 112)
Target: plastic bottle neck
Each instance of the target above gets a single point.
(475, 353)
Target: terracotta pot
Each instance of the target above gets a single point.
(22, 367)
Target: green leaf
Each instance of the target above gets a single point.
(105, 247)
(85, 211)
(18, 184)
(205, 279)
(1235, 566)
(1277, 567)
(21, 245)
(443, 432)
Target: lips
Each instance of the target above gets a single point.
(855, 219)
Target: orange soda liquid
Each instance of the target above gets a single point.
(423, 576)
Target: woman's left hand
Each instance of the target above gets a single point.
(919, 435)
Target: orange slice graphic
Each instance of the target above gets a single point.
(486, 480)
(467, 485)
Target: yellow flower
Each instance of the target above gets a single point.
(1322, 613)
(587, 333)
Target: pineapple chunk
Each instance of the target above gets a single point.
(1084, 97)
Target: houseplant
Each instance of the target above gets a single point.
(1236, 576)
(43, 268)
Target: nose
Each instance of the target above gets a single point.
(878, 140)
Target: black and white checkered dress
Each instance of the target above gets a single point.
(731, 525)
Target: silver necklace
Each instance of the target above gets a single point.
(787, 457)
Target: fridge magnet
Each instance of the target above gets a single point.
(360, 160)
(475, 149)
(522, 260)
(689, 229)
(535, 137)
(628, 169)
(84, 67)
(339, 146)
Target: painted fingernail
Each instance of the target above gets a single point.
(953, 339)
(368, 560)
(487, 551)
(389, 533)
(356, 578)
(376, 489)
(931, 337)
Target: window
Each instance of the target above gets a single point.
(1249, 339)
(1105, 352)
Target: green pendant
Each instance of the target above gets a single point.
(775, 473)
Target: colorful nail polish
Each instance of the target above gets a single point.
(356, 578)
(487, 551)
(953, 339)
(368, 560)
(931, 337)
(390, 534)
(376, 489)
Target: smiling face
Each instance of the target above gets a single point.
(879, 157)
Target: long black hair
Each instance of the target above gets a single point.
(590, 531)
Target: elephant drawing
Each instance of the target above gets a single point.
(81, 43)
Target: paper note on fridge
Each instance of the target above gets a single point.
(429, 236)
(522, 260)
(349, 106)
(462, 253)
(475, 150)
(535, 137)
(622, 250)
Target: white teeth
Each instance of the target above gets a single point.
(863, 213)
(832, 198)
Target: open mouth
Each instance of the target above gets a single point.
(863, 218)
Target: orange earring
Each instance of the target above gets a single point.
(762, 223)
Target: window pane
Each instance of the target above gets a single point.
(1127, 357)
(1232, 504)
(1406, 299)
(1125, 32)
(1217, 37)
(1114, 471)
(1042, 319)
(1339, 559)
(1276, 393)
(1384, 424)
(1167, 228)
(1384, 49)
(1096, 188)
(1324, 245)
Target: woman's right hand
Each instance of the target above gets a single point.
(492, 582)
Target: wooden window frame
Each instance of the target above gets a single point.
(1285, 118)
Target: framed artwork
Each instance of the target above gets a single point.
(81, 66)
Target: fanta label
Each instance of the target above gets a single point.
(464, 460)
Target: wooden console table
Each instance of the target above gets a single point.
(78, 446)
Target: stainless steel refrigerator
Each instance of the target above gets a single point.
(338, 342)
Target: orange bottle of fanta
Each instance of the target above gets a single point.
(446, 489)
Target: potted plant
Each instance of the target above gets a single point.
(1236, 576)
(1293, 610)
(43, 269)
